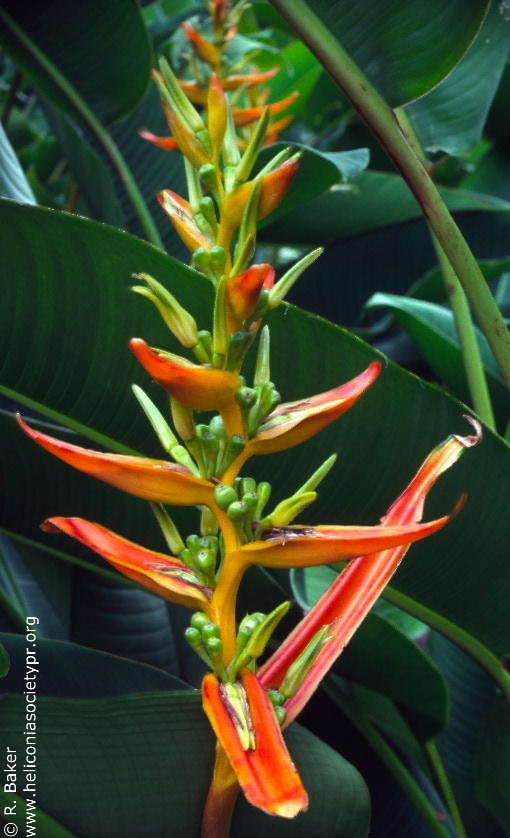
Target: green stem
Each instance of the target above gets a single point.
(470, 351)
(392, 762)
(66, 421)
(94, 126)
(446, 790)
(382, 121)
(480, 653)
(469, 348)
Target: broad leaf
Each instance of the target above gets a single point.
(109, 68)
(405, 48)
(122, 763)
(37, 585)
(67, 670)
(83, 267)
(432, 328)
(452, 116)
(464, 741)
(122, 620)
(379, 200)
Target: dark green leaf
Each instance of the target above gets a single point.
(452, 116)
(67, 670)
(382, 440)
(461, 744)
(379, 200)
(122, 620)
(405, 48)
(109, 68)
(122, 763)
(40, 586)
(494, 762)
(90, 172)
(432, 328)
(431, 285)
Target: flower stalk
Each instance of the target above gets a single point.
(247, 704)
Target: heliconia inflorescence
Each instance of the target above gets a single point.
(246, 703)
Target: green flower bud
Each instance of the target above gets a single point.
(246, 396)
(218, 259)
(281, 714)
(193, 637)
(199, 620)
(210, 630)
(192, 542)
(225, 496)
(275, 697)
(205, 561)
(237, 510)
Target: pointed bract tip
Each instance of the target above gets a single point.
(473, 439)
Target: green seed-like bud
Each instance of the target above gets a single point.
(200, 261)
(248, 484)
(275, 697)
(250, 499)
(209, 176)
(218, 258)
(205, 561)
(225, 496)
(246, 396)
(210, 630)
(186, 557)
(208, 210)
(193, 636)
(281, 714)
(217, 427)
(215, 647)
(237, 510)
(192, 542)
(199, 620)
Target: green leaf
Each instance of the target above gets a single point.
(67, 670)
(382, 658)
(13, 183)
(404, 47)
(109, 68)
(120, 763)
(39, 585)
(316, 174)
(89, 170)
(473, 713)
(494, 762)
(432, 328)
(379, 200)
(451, 117)
(123, 620)
(66, 265)
(380, 724)
(299, 71)
(430, 286)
